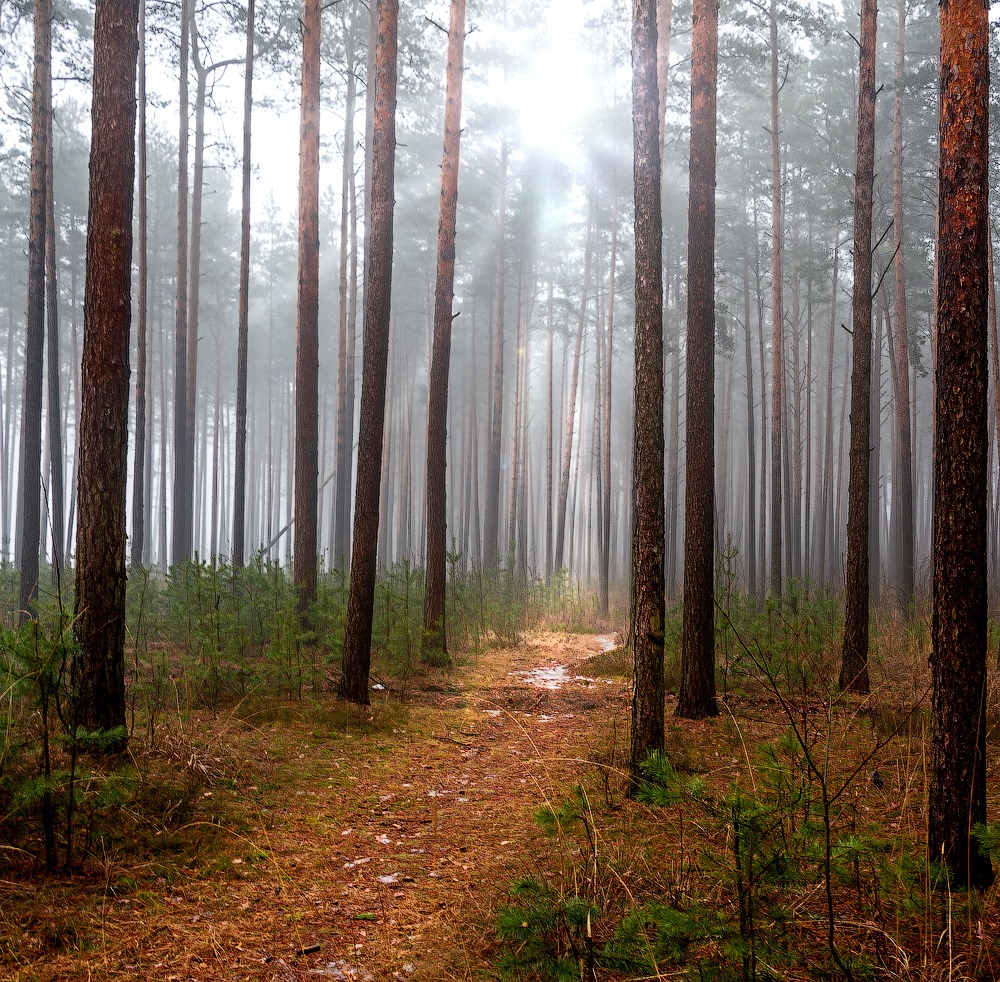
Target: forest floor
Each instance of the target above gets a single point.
(303, 839)
(372, 844)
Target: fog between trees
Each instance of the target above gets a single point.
(563, 203)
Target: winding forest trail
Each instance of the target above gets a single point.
(373, 856)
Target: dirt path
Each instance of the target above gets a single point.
(387, 855)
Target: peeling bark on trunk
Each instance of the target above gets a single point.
(957, 800)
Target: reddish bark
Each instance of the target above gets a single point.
(697, 693)
(307, 317)
(357, 641)
(961, 451)
(98, 671)
(435, 646)
(647, 463)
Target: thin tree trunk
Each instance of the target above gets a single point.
(605, 587)
(777, 319)
(307, 319)
(571, 403)
(181, 537)
(751, 535)
(875, 461)
(142, 310)
(549, 422)
(903, 492)
(491, 531)
(435, 647)
(344, 366)
(55, 408)
(31, 412)
(827, 520)
(243, 342)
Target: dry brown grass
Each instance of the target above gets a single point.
(281, 840)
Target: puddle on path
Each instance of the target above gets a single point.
(554, 677)
(550, 677)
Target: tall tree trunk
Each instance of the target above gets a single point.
(854, 663)
(875, 461)
(605, 587)
(98, 670)
(181, 536)
(751, 535)
(664, 35)
(435, 647)
(794, 506)
(55, 408)
(342, 513)
(243, 328)
(307, 318)
(777, 319)
(357, 642)
(959, 621)
(827, 520)
(647, 628)
(491, 530)
(903, 493)
(571, 403)
(519, 404)
(138, 543)
(697, 693)
(549, 423)
(31, 409)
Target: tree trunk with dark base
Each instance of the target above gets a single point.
(961, 452)
(357, 641)
(697, 694)
(435, 645)
(98, 670)
(648, 545)
(307, 321)
(854, 662)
